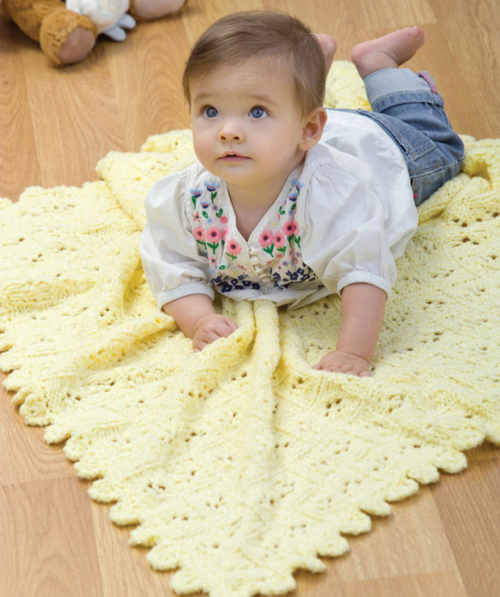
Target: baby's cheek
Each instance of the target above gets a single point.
(203, 147)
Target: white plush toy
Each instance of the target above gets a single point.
(109, 16)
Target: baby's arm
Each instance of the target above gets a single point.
(363, 308)
(196, 317)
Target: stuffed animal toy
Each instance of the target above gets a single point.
(67, 31)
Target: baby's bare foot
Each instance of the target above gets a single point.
(329, 46)
(389, 51)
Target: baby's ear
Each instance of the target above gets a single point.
(313, 128)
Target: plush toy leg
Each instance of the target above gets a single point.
(67, 37)
(154, 9)
(77, 46)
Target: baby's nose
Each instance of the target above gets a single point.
(230, 132)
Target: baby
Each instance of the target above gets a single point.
(288, 201)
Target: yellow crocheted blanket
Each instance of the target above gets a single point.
(241, 463)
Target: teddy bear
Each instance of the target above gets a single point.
(67, 30)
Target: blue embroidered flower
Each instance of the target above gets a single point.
(295, 192)
(195, 193)
(211, 186)
(212, 189)
(221, 284)
(225, 284)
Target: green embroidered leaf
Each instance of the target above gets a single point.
(269, 250)
(219, 213)
(205, 215)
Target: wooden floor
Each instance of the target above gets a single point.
(54, 127)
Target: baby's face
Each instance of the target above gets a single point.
(247, 124)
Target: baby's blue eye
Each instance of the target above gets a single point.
(211, 112)
(258, 112)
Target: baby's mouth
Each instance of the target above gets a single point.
(233, 156)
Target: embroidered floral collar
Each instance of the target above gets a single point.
(272, 254)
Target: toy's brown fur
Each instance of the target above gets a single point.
(50, 23)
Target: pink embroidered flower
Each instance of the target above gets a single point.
(233, 247)
(266, 238)
(290, 228)
(196, 217)
(279, 240)
(199, 233)
(223, 219)
(214, 234)
(225, 232)
(213, 261)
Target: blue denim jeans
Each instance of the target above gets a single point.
(409, 108)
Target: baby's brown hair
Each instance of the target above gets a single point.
(262, 34)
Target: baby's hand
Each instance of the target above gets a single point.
(211, 328)
(344, 362)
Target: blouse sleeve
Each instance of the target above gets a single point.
(345, 238)
(170, 258)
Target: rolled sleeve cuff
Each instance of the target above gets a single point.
(184, 290)
(363, 277)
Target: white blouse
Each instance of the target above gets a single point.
(343, 216)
